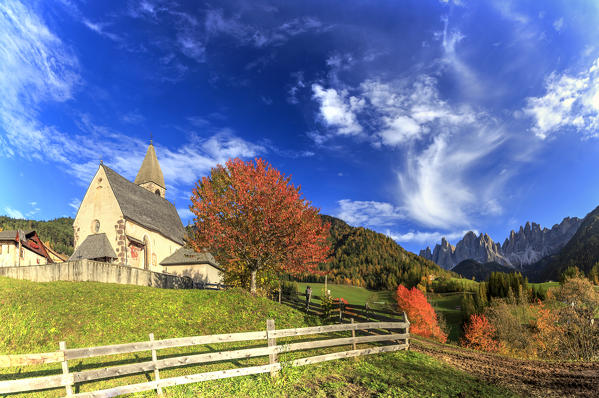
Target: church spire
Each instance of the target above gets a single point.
(150, 175)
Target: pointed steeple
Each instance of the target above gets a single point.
(150, 175)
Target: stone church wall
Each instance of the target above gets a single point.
(95, 271)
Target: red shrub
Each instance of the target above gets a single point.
(422, 316)
(479, 334)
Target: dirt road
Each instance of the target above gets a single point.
(527, 377)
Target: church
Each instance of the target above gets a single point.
(132, 223)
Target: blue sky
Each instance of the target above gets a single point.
(418, 119)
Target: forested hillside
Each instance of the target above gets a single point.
(581, 251)
(480, 271)
(369, 259)
(58, 231)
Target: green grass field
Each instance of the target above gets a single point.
(34, 317)
(448, 305)
(546, 285)
(353, 294)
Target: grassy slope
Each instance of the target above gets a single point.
(353, 294)
(35, 316)
(447, 305)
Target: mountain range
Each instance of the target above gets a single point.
(581, 251)
(520, 249)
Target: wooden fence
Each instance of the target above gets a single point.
(339, 311)
(377, 332)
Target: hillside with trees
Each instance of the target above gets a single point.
(479, 271)
(59, 231)
(366, 258)
(581, 251)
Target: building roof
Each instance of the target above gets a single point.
(94, 246)
(185, 256)
(11, 235)
(150, 169)
(146, 208)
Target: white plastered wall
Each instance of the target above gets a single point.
(99, 204)
(205, 273)
(160, 247)
(9, 256)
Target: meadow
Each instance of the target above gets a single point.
(36, 316)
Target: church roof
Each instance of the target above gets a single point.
(146, 208)
(186, 255)
(150, 169)
(94, 246)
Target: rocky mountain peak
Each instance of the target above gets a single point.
(527, 246)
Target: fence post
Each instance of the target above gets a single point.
(272, 342)
(154, 360)
(405, 318)
(353, 334)
(65, 369)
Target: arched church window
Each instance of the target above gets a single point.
(157, 192)
(95, 226)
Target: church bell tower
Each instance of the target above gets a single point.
(150, 175)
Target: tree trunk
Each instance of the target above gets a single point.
(253, 282)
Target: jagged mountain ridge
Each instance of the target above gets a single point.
(581, 251)
(527, 246)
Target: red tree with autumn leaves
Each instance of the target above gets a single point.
(422, 316)
(252, 218)
(479, 334)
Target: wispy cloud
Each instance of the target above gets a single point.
(569, 102)
(36, 68)
(185, 214)
(368, 213)
(437, 187)
(442, 144)
(14, 213)
(422, 237)
(218, 23)
(74, 204)
(100, 28)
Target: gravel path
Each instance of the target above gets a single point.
(527, 377)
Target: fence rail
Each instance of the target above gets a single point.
(380, 332)
(338, 311)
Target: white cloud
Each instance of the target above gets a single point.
(33, 211)
(14, 213)
(217, 23)
(441, 144)
(369, 213)
(399, 112)
(185, 214)
(299, 84)
(74, 204)
(338, 110)
(36, 67)
(424, 237)
(99, 28)
(437, 187)
(468, 80)
(558, 24)
(569, 102)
